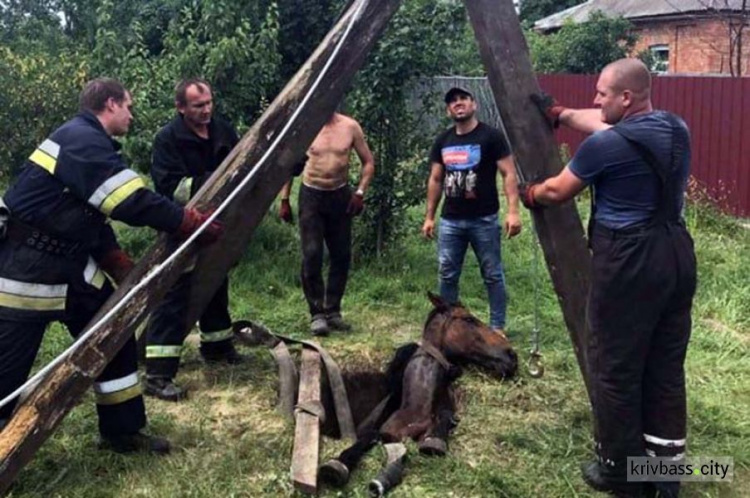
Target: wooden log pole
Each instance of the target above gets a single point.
(505, 54)
(307, 428)
(41, 410)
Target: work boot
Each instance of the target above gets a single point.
(319, 325)
(599, 477)
(164, 388)
(228, 356)
(336, 322)
(137, 442)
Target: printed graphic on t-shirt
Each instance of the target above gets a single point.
(460, 163)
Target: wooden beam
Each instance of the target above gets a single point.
(505, 54)
(307, 428)
(39, 413)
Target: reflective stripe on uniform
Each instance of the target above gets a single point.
(163, 351)
(116, 189)
(219, 335)
(93, 275)
(678, 456)
(23, 295)
(669, 443)
(45, 155)
(115, 391)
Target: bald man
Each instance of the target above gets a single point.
(637, 162)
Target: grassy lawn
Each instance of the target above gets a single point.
(519, 438)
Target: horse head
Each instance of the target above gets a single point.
(464, 339)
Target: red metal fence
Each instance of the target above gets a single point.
(717, 110)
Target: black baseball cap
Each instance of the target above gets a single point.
(456, 90)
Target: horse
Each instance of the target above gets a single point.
(420, 404)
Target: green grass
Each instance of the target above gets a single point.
(522, 438)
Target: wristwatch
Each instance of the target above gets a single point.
(360, 192)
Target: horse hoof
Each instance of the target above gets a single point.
(433, 446)
(335, 473)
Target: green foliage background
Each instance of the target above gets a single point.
(248, 50)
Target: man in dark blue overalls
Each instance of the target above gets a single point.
(643, 271)
(58, 244)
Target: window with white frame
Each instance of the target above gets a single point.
(659, 58)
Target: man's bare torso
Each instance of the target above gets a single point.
(327, 166)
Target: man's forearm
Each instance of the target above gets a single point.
(433, 197)
(368, 172)
(510, 186)
(583, 120)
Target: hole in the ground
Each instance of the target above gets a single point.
(364, 387)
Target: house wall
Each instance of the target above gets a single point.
(695, 45)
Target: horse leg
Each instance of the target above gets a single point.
(421, 379)
(390, 476)
(435, 442)
(405, 423)
(336, 471)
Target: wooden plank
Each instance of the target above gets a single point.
(307, 428)
(506, 58)
(41, 411)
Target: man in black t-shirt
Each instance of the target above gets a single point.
(464, 162)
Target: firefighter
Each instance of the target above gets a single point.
(186, 152)
(643, 271)
(58, 246)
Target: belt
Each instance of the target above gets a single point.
(42, 241)
(623, 233)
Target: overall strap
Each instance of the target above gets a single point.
(666, 212)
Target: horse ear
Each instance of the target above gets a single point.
(436, 300)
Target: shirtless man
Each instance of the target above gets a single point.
(326, 206)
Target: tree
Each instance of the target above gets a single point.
(583, 48)
(533, 10)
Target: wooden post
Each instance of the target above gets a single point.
(307, 428)
(39, 413)
(503, 49)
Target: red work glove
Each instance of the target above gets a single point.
(526, 193)
(285, 211)
(117, 264)
(356, 204)
(549, 107)
(192, 219)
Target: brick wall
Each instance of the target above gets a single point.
(695, 45)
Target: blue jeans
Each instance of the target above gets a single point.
(483, 234)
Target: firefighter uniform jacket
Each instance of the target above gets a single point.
(183, 161)
(68, 188)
